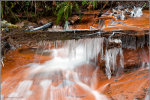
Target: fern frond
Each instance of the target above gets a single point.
(59, 14)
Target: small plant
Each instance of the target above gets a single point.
(64, 10)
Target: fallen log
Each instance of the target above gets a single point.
(130, 39)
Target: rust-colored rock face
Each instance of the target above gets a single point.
(136, 57)
(129, 85)
(21, 80)
(138, 23)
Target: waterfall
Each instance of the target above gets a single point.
(78, 52)
(74, 52)
(73, 65)
(68, 58)
(111, 59)
(111, 55)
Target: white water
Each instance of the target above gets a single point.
(71, 65)
(121, 14)
(73, 54)
(136, 12)
(110, 58)
(66, 26)
(45, 84)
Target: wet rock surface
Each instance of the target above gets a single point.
(130, 39)
(133, 59)
(128, 83)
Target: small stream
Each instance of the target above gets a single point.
(83, 69)
(72, 68)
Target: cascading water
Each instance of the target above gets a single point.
(73, 66)
(74, 54)
(136, 12)
(66, 26)
(122, 16)
(111, 58)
